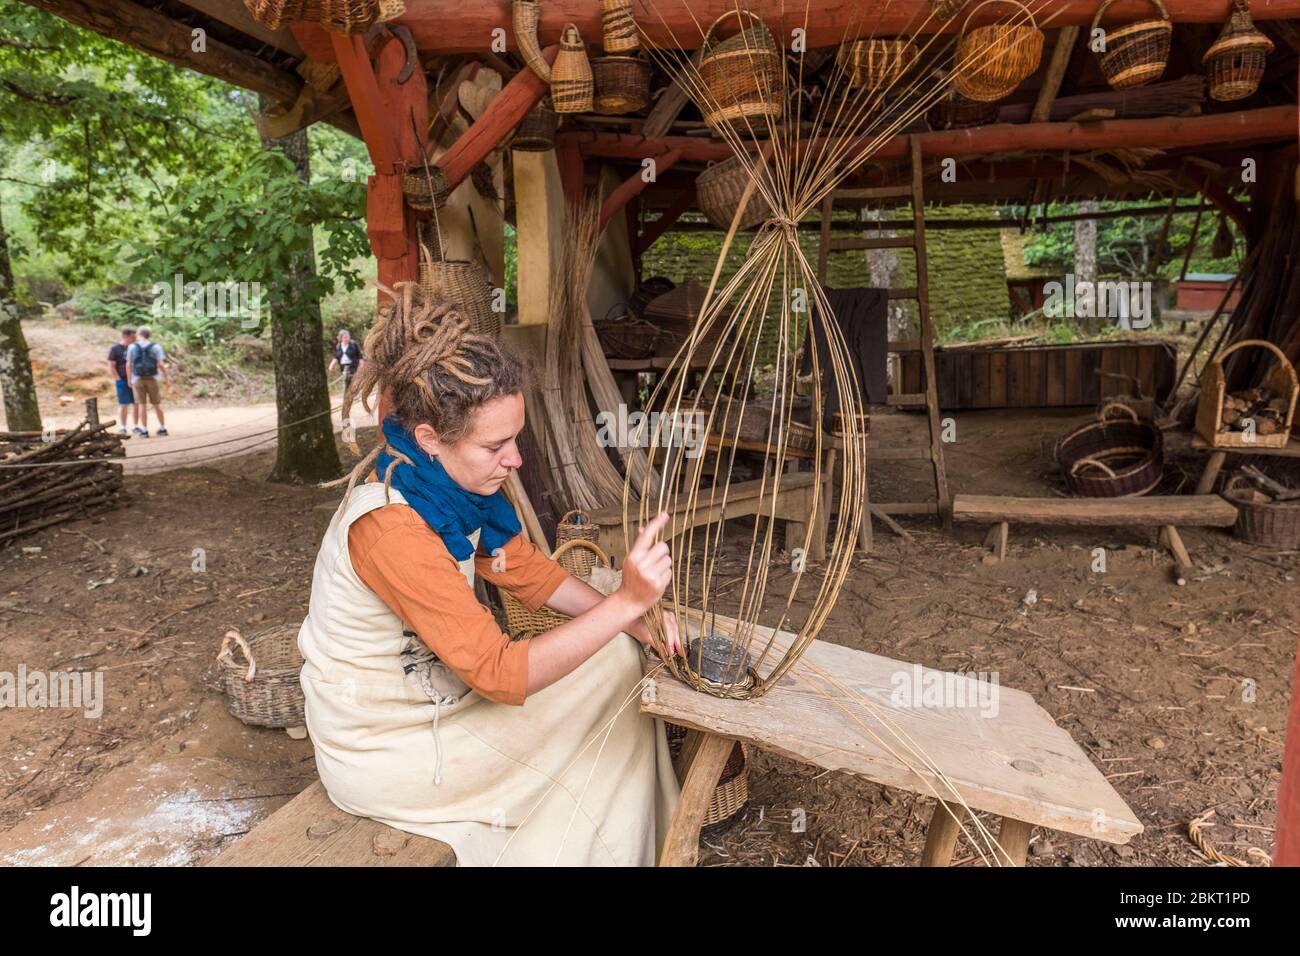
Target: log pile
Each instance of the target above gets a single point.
(55, 476)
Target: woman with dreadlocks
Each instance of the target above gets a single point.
(424, 715)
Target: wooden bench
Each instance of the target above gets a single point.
(1166, 512)
(310, 831)
(793, 502)
(1017, 764)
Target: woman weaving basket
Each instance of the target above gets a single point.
(424, 715)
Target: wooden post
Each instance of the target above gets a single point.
(92, 412)
(703, 757)
(941, 836)
(1014, 840)
(539, 224)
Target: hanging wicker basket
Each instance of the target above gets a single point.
(425, 188)
(524, 17)
(955, 111)
(338, 16)
(991, 61)
(536, 131)
(463, 284)
(263, 688)
(1261, 519)
(622, 84)
(743, 75)
(877, 64)
(1234, 64)
(1281, 381)
(572, 87)
(718, 191)
(1136, 53)
(620, 32)
(1116, 456)
(577, 556)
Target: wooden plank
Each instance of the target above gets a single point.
(1054, 372)
(1157, 510)
(979, 379)
(1016, 762)
(1036, 391)
(310, 830)
(1017, 378)
(233, 13)
(965, 378)
(1073, 389)
(997, 379)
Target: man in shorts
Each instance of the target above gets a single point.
(147, 361)
(122, 382)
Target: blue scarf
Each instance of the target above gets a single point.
(445, 506)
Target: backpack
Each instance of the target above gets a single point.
(145, 363)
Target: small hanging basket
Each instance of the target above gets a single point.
(572, 87)
(991, 61)
(1136, 53)
(425, 188)
(1234, 64)
(578, 557)
(955, 111)
(262, 689)
(877, 64)
(463, 284)
(1116, 456)
(524, 17)
(718, 191)
(536, 131)
(619, 27)
(622, 84)
(1280, 383)
(1261, 519)
(743, 75)
(338, 16)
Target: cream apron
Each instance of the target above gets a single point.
(576, 776)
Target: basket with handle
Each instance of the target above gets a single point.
(572, 86)
(576, 525)
(955, 111)
(1116, 456)
(1135, 53)
(464, 284)
(1261, 519)
(1234, 63)
(991, 61)
(622, 84)
(876, 64)
(424, 187)
(578, 557)
(263, 688)
(536, 131)
(742, 73)
(718, 191)
(618, 27)
(1281, 380)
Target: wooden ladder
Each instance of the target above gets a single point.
(933, 449)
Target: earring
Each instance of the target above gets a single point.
(432, 456)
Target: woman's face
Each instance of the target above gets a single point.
(486, 454)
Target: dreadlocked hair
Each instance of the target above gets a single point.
(435, 371)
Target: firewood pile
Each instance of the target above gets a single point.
(1263, 406)
(54, 476)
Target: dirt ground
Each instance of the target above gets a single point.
(1150, 679)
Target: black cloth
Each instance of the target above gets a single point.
(354, 353)
(862, 315)
(117, 355)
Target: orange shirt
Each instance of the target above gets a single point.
(405, 562)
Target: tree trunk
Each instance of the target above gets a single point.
(1085, 257)
(306, 451)
(21, 411)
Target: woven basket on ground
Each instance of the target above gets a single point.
(464, 284)
(536, 131)
(524, 17)
(338, 16)
(743, 75)
(1281, 380)
(618, 26)
(1234, 64)
(622, 84)
(1113, 457)
(1135, 53)
(991, 61)
(718, 191)
(263, 688)
(730, 796)
(572, 87)
(425, 188)
(1261, 519)
(877, 64)
(577, 556)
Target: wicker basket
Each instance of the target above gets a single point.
(339, 16)
(1136, 53)
(648, 290)
(425, 188)
(1261, 519)
(1112, 457)
(524, 17)
(730, 796)
(577, 556)
(718, 191)
(626, 336)
(619, 28)
(572, 87)
(263, 689)
(743, 75)
(1235, 62)
(536, 131)
(1281, 379)
(622, 84)
(991, 61)
(463, 284)
(877, 64)
(955, 111)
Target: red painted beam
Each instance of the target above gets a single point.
(502, 115)
(453, 26)
(633, 186)
(363, 90)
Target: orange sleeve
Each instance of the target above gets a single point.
(526, 574)
(406, 563)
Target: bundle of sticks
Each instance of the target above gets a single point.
(55, 476)
(1262, 406)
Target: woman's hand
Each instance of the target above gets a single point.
(641, 631)
(647, 569)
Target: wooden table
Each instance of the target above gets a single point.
(1016, 763)
(1218, 455)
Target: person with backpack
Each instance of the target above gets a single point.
(147, 359)
(122, 382)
